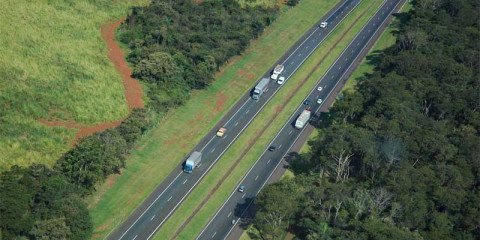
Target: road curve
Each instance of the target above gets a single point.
(227, 217)
(159, 206)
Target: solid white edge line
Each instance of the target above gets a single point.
(370, 38)
(288, 119)
(251, 118)
(149, 206)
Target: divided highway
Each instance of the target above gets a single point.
(230, 213)
(159, 206)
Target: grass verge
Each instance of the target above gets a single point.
(178, 132)
(54, 66)
(273, 108)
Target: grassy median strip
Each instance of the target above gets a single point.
(178, 132)
(274, 107)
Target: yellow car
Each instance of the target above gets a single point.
(221, 131)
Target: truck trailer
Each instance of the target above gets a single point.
(303, 118)
(192, 162)
(261, 87)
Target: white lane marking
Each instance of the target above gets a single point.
(269, 160)
(280, 146)
(229, 214)
(152, 217)
(289, 120)
(214, 234)
(169, 199)
(328, 34)
(292, 62)
(212, 150)
(346, 59)
(352, 49)
(256, 178)
(247, 111)
(135, 237)
(207, 143)
(306, 47)
(236, 124)
(218, 211)
(358, 44)
(185, 181)
(225, 136)
(339, 67)
(151, 205)
(290, 132)
(332, 76)
(299, 54)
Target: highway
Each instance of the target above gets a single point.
(232, 210)
(161, 204)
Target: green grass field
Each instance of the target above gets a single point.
(204, 188)
(54, 66)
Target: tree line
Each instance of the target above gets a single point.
(399, 157)
(177, 46)
(38, 202)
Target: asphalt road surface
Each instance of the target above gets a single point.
(158, 207)
(230, 213)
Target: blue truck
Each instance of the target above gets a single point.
(192, 162)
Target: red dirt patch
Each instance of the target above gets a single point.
(133, 89)
(220, 101)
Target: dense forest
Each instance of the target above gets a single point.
(178, 45)
(399, 157)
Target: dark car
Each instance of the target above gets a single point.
(306, 102)
(271, 148)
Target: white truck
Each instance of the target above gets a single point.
(192, 162)
(261, 87)
(302, 120)
(277, 71)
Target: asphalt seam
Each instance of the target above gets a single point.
(272, 118)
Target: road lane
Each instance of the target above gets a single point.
(220, 225)
(143, 225)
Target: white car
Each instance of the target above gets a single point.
(274, 76)
(281, 80)
(319, 88)
(323, 24)
(319, 101)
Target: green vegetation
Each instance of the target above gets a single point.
(177, 46)
(399, 159)
(274, 107)
(38, 203)
(54, 66)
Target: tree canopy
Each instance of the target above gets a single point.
(178, 45)
(398, 157)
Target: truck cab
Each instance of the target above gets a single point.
(277, 71)
(189, 165)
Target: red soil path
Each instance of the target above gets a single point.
(133, 89)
